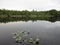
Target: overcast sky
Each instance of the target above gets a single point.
(30, 4)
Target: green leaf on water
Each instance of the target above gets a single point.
(37, 39)
(31, 40)
(18, 38)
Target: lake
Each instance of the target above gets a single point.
(49, 32)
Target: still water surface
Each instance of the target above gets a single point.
(48, 32)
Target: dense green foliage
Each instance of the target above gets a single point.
(26, 12)
(25, 15)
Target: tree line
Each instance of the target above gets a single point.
(51, 15)
(26, 12)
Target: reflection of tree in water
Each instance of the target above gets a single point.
(12, 19)
(52, 19)
(55, 15)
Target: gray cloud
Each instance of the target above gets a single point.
(30, 4)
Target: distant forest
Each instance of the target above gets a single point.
(52, 12)
(14, 15)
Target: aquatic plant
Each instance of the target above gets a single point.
(16, 33)
(18, 39)
(31, 40)
(18, 36)
(37, 40)
(23, 36)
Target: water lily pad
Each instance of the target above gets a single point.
(31, 40)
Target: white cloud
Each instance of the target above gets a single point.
(30, 4)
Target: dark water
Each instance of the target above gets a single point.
(48, 32)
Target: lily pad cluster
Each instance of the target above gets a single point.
(23, 36)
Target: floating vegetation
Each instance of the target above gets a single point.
(31, 40)
(37, 40)
(18, 39)
(23, 36)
